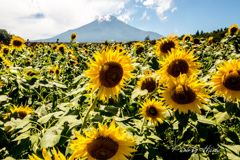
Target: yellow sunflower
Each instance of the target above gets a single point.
(107, 144)
(5, 50)
(61, 48)
(148, 82)
(209, 41)
(187, 38)
(17, 42)
(164, 46)
(227, 80)
(178, 62)
(73, 36)
(1, 84)
(46, 156)
(55, 47)
(108, 73)
(233, 29)
(138, 44)
(57, 71)
(31, 73)
(153, 110)
(70, 52)
(6, 62)
(22, 111)
(51, 70)
(185, 94)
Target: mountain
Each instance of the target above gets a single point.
(110, 29)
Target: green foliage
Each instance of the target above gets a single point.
(4, 36)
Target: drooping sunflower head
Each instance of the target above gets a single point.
(61, 48)
(104, 144)
(185, 94)
(22, 111)
(178, 62)
(108, 73)
(187, 38)
(5, 50)
(31, 73)
(227, 80)
(7, 63)
(148, 82)
(1, 84)
(153, 111)
(51, 70)
(17, 42)
(73, 36)
(164, 46)
(233, 29)
(28, 63)
(57, 155)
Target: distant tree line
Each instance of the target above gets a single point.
(4, 36)
(216, 34)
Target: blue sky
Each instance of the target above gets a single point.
(36, 19)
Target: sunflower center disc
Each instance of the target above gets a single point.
(182, 94)
(232, 80)
(152, 111)
(140, 50)
(102, 148)
(22, 114)
(5, 50)
(166, 46)
(177, 66)
(111, 74)
(17, 43)
(233, 30)
(149, 84)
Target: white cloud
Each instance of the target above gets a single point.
(144, 16)
(160, 6)
(126, 16)
(174, 9)
(35, 19)
(138, 1)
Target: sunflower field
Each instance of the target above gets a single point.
(166, 99)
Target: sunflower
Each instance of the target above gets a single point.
(85, 51)
(51, 70)
(6, 62)
(17, 42)
(148, 82)
(1, 84)
(153, 110)
(227, 80)
(28, 63)
(187, 38)
(31, 73)
(55, 47)
(109, 72)
(5, 50)
(73, 36)
(185, 94)
(233, 29)
(196, 41)
(57, 71)
(209, 41)
(164, 46)
(46, 156)
(107, 144)
(61, 48)
(178, 62)
(138, 44)
(22, 111)
(70, 52)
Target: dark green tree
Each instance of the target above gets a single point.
(147, 38)
(4, 36)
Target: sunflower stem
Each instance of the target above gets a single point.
(86, 116)
(150, 95)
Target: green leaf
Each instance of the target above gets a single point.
(22, 136)
(204, 120)
(221, 116)
(50, 138)
(138, 92)
(47, 117)
(4, 98)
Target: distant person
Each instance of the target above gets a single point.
(28, 43)
(57, 41)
